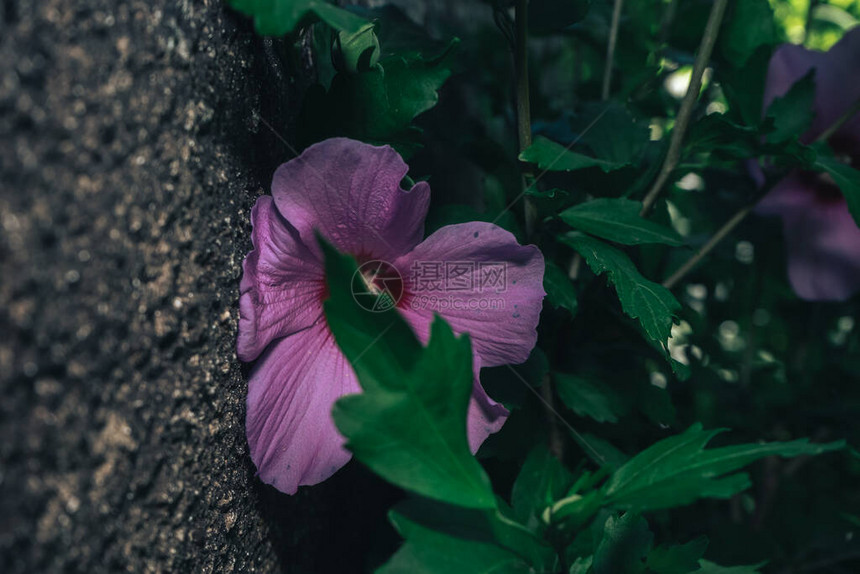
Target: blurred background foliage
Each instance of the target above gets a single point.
(746, 353)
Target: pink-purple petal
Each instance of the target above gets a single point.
(792, 193)
(350, 192)
(485, 416)
(293, 387)
(282, 283)
(823, 244)
(822, 239)
(835, 92)
(500, 314)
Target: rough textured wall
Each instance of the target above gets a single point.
(130, 155)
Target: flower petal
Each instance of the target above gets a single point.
(837, 88)
(823, 247)
(788, 64)
(789, 195)
(497, 299)
(834, 95)
(282, 283)
(350, 192)
(485, 416)
(291, 434)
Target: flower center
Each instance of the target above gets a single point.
(380, 281)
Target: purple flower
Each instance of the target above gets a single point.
(822, 239)
(474, 274)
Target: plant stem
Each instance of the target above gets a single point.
(682, 121)
(524, 134)
(837, 125)
(521, 63)
(666, 22)
(810, 18)
(709, 246)
(610, 49)
(524, 120)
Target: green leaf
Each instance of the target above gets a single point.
(279, 17)
(744, 85)
(542, 481)
(750, 26)
(846, 178)
(714, 133)
(618, 220)
(510, 384)
(571, 513)
(559, 288)
(589, 398)
(338, 18)
(552, 15)
(678, 470)
(551, 156)
(678, 559)
(359, 51)
(615, 136)
(582, 565)
(431, 551)
(626, 541)
(409, 425)
(711, 568)
(650, 302)
(377, 105)
(792, 113)
(656, 404)
(547, 202)
(476, 527)
(601, 451)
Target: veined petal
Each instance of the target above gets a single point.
(350, 192)
(490, 287)
(282, 283)
(291, 392)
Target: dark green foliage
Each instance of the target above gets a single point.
(278, 17)
(618, 220)
(651, 303)
(593, 472)
(678, 470)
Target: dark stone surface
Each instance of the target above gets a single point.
(130, 156)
